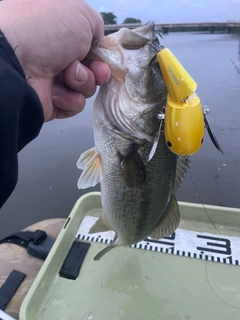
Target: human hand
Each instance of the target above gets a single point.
(51, 39)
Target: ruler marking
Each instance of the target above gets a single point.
(187, 243)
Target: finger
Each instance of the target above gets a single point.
(101, 71)
(67, 102)
(80, 78)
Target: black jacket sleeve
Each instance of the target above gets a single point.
(21, 116)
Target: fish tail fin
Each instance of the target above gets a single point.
(102, 252)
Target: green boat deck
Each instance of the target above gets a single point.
(128, 283)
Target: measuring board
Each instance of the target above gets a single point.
(191, 244)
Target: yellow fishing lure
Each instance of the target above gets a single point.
(184, 119)
(184, 116)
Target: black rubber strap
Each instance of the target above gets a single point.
(24, 237)
(37, 243)
(41, 250)
(9, 287)
(72, 264)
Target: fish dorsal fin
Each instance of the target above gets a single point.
(90, 162)
(100, 225)
(182, 168)
(169, 221)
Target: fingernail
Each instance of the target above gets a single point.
(81, 73)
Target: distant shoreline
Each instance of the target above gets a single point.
(211, 27)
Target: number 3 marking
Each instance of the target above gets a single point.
(219, 242)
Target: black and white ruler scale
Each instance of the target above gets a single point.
(192, 244)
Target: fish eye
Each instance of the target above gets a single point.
(169, 144)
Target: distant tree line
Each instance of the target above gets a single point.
(110, 18)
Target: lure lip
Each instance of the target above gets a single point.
(212, 135)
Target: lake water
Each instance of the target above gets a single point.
(47, 167)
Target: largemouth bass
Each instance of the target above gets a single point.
(137, 172)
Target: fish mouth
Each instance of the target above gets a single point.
(114, 46)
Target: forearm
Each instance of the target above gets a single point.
(21, 117)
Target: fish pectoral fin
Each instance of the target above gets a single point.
(90, 162)
(169, 221)
(85, 157)
(182, 168)
(100, 225)
(132, 167)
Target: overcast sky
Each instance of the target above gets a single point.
(163, 11)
